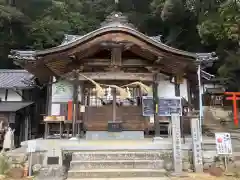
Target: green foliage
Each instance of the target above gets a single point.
(4, 164)
(13, 30)
(230, 70)
(221, 29)
(222, 25)
(192, 25)
(173, 11)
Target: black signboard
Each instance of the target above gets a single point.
(147, 106)
(167, 106)
(114, 126)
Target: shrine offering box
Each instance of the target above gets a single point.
(114, 126)
(54, 118)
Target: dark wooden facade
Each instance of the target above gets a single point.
(21, 105)
(115, 49)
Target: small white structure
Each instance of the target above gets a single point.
(8, 142)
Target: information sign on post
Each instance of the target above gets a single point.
(177, 148)
(31, 146)
(147, 106)
(223, 143)
(169, 106)
(166, 106)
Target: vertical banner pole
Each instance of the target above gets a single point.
(200, 102)
(30, 164)
(226, 163)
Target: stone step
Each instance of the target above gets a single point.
(51, 172)
(115, 155)
(17, 157)
(118, 164)
(131, 178)
(116, 173)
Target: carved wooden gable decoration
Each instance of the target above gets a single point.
(115, 46)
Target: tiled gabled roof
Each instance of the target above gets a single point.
(19, 79)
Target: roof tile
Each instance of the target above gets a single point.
(15, 78)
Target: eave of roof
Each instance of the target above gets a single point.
(6, 106)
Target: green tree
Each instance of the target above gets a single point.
(13, 32)
(221, 30)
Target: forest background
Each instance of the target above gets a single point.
(191, 25)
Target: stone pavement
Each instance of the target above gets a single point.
(145, 178)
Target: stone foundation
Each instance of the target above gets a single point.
(124, 135)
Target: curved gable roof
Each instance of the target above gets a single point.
(114, 23)
(116, 27)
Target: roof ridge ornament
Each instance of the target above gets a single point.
(117, 19)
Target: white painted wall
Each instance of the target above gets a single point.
(167, 89)
(184, 89)
(12, 96)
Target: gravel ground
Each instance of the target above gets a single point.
(204, 177)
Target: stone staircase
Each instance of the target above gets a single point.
(213, 118)
(116, 164)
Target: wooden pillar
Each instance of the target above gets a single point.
(155, 104)
(75, 104)
(114, 105)
(26, 127)
(49, 97)
(177, 83)
(116, 61)
(177, 86)
(6, 94)
(189, 92)
(82, 103)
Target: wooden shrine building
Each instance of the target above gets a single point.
(115, 54)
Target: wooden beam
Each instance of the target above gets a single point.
(116, 56)
(143, 53)
(117, 76)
